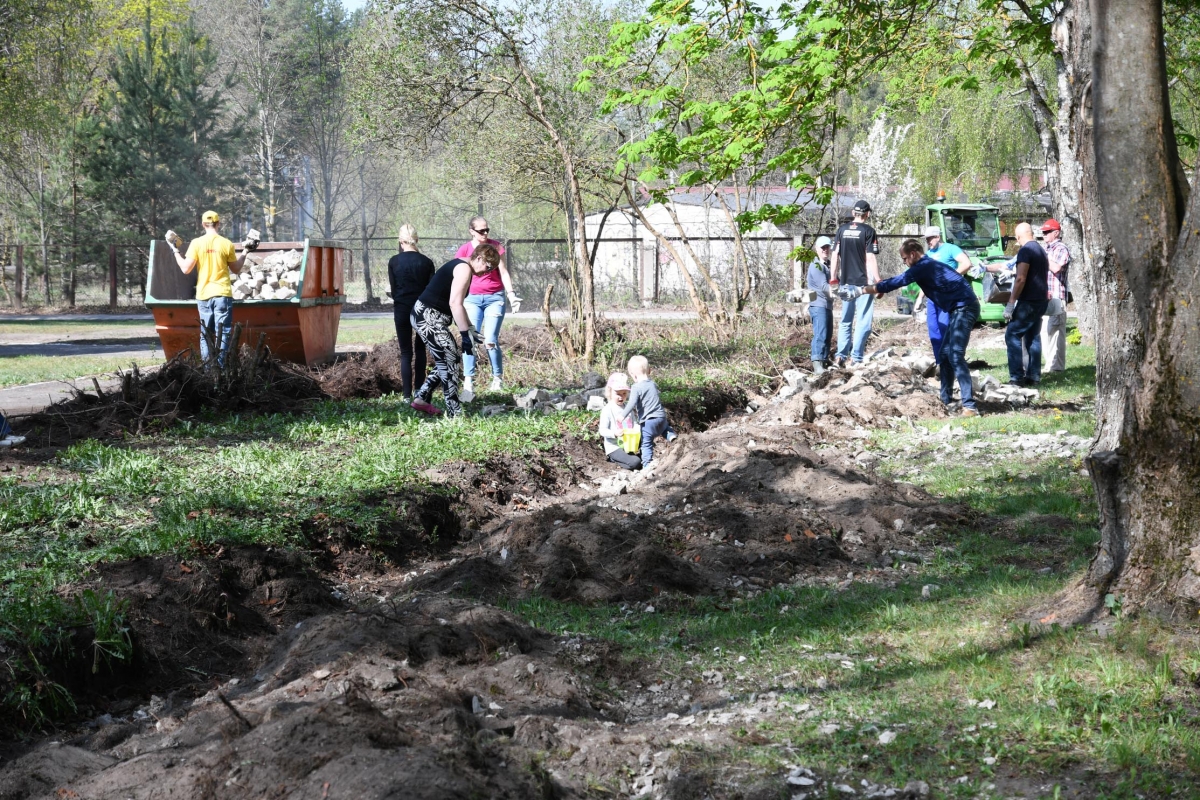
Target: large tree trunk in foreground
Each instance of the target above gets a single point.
(1146, 460)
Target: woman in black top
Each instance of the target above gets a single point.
(409, 273)
(439, 308)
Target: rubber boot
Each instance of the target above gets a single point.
(818, 367)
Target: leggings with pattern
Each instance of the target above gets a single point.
(436, 330)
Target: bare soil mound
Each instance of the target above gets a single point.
(200, 619)
(421, 697)
(374, 373)
(742, 506)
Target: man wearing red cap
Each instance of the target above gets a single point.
(1054, 323)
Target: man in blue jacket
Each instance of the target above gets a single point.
(952, 293)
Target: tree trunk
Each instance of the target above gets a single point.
(1146, 459)
(697, 301)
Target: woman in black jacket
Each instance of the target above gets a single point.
(409, 273)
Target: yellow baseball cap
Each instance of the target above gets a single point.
(211, 216)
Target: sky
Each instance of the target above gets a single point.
(353, 5)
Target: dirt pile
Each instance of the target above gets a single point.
(423, 697)
(253, 380)
(743, 506)
(374, 373)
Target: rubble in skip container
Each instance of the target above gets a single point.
(275, 277)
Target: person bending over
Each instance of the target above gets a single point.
(436, 312)
(953, 293)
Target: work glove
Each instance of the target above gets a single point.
(173, 241)
(848, 293)
(975, 273)
(514, 303)
(470, 338)
(1008, 312)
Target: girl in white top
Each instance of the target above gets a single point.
(614, 424)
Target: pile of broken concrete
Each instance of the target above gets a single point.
(541, 401)
(889, 386)
(276, 277)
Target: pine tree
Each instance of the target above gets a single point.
(161, 149)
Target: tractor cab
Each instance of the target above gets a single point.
(975, 227)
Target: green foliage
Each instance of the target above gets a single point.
(158, 152)
(37, 629)
(796, 61)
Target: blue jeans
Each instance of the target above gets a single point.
(1025, 329)
(486, 312)
(937, 321)
(822, 319)
(650, 429)
(952, 361)
(216, 322)
(4, 429)
(859, 313)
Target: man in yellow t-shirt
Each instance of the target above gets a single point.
(216, 258)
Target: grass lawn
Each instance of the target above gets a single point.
(21, 370)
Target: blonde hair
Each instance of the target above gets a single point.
(407, 235)
(639, 365)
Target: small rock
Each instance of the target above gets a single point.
(793, 378)
(915, 789)
(593, 380)
(596, 403)
(321, 674)
(887, 737)
(928, 589)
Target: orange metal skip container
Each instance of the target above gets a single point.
(303, 329)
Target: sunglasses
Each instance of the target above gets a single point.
(484, 231)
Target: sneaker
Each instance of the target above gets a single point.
(426, 408)
(817, 367)
(970, 412)
(12, 440)
(671, 435)
(466, 396)
(469, 384)
(497, 385)
(839, 363)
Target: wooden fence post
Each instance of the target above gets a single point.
(112, 276)
(20, 292)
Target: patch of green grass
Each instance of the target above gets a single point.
(1077, 381)
(21, 370)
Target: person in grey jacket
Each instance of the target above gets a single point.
(820, 308)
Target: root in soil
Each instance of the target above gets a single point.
(252, 379)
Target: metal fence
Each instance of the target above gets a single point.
(627, 271)
(111, 275)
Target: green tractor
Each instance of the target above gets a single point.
(975, 227)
